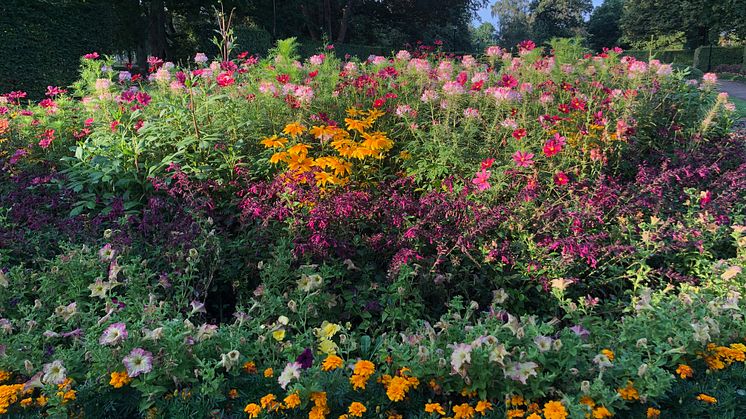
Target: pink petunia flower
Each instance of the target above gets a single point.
(114, 334)
(139, 361)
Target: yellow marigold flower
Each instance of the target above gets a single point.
(292, 401)
(601, 413)
(28, 401)
(273, 141)
(515, 413)
(587, 401)
(294, 129)
(249, 367)
(68, 395)
(364, 367)
(533, 416)
(684, 371)
(629, 392)
(4, 376)
(395, 416)
(317, 412)
(233, 394)
(516, 400)
(252, 409)
(483, 406)
(653, 413)
(434, 408)
(463, 411)
(357, 409)
(397, 389)
(707, 399)
(268, 400)
(332, 362)
(268, 373)
(359, 381)
(554, 410)
(119, 379)
(609, 354)
(41, 401)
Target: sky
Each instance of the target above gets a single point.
(485, 15)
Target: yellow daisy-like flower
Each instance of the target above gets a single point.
(323, 178)
(357, 124)
(274, 141)
(281, 156)
(268, 373)
(354, 112)
(294, 129)
(331, 363)
(609, 354)
(434, 408)
(299, 149)
(357, 409)
(279, 335)
(554, 410)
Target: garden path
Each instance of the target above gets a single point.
(733, 88)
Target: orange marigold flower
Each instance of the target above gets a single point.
(707, 399)
(463, 411)
(483, 406)
(249, 367)
(653, 413)
(515, 413)
(554, 410)
(434, 408)
(332, 362)
(358, 381)
(252, 409)
(601, 412)
(684, 371)
(357, 409)
(119, 379)
(292, 401)
(268, 373)
(4, 376)
(364, 367)
(587, 401)
(319, 398)
(533, 416)
(268, 400)
(609, 353)
(233, 393)
(516, 400)
(28, 401)
(397, 389)
(629, 392)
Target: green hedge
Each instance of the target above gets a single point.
(41, 42)
(720, 55)
(683, 57)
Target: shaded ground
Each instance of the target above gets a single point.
(733, 88)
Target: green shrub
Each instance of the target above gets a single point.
(705, 58)
(667, 56)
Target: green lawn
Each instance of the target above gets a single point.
(740, 107)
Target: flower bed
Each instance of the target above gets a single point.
(512, 235)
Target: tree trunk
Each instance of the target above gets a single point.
(328, 19)
(345, 22)
(310, 23)
(157, 42)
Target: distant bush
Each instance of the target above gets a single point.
(720, 55)
(667, 56)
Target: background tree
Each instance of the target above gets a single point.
(513, 21)
(483, 36)
(603, 26)
(559, 18)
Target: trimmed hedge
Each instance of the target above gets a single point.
(41, 42)
(720, 55)
(683, 57)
